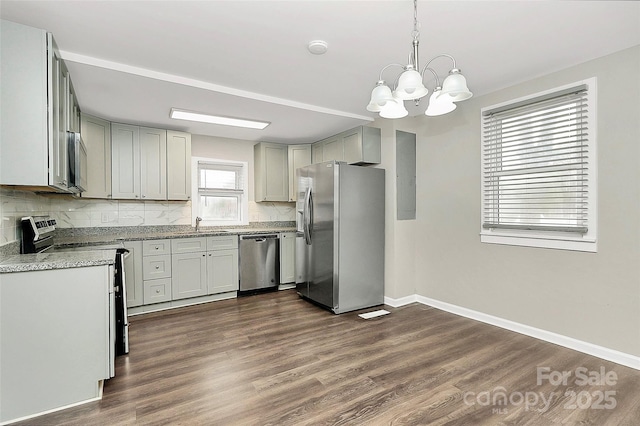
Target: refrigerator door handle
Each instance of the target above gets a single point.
(305, 216)
(310, 214)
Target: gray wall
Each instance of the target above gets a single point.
(593, 297)
(242, 150)
(400, 250)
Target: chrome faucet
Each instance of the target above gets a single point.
(198, 220)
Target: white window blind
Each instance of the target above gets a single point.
(536, 163)
(221, 177)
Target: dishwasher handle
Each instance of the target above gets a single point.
(259, 238)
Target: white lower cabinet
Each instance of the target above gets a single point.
(222, 271)
(179, 269)
(154, 267)
(222, 264)
(189, 275)
(133, 274)
(287, 257)
(54, 339)
(156, 291)
(156, 271)
(189, 264)
(203, 266)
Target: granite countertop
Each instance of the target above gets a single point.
(108, 236)
(45, 261)
(114, 238)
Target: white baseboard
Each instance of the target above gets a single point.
(53, 410)
(612, 355)
(287, 286)
(396, 303)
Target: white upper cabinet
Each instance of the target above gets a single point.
(360, 146)
(333, 149)
(317, 152)
(178, 165)
(73, 109)
(58, 161)
(96, 134)
(150, 164)
(270, 172)
(153, 164)
(34, 114)
(298, 156)
(125, 160)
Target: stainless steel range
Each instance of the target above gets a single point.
(37, 234)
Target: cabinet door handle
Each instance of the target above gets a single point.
(157, 267)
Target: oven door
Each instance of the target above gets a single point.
(120, 291)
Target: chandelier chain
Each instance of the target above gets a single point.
(416, 32)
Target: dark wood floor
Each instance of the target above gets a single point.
(274, 359)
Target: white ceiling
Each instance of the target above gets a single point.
(133, 61)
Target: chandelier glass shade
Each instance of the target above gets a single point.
(409, 86)
(439, 105)
(394, 109)
(379, 97)
(455, 85)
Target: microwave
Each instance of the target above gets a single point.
(77, 161)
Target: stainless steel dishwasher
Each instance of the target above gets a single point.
(259, 262)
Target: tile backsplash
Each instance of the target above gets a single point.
(13, 206)
(72, 212)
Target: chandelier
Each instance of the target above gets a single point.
(409, 86)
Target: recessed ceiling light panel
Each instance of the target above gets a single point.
(179, 114)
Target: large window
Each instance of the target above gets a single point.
(220, 194)
(539, 170)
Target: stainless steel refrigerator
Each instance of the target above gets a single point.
(340, 240)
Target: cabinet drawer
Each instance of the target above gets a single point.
(188, 245)
(156, 291)
(154, 267)
(222, 243)
(154, 247)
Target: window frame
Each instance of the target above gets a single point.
(561, 240)
(195, 192)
